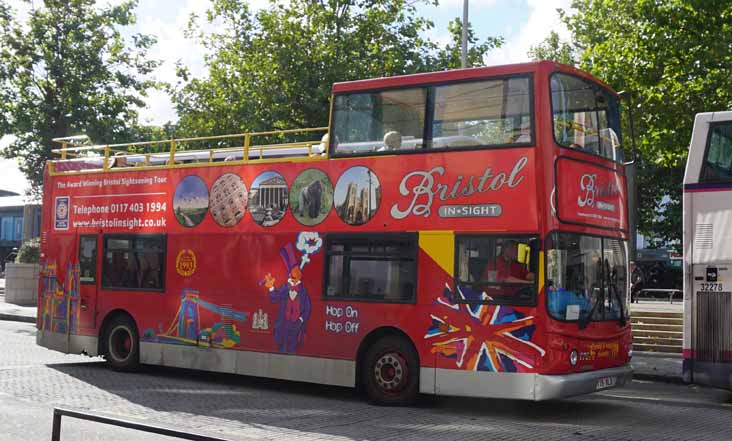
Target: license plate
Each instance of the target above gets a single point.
(604, 383)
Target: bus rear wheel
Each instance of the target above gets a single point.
(391, 372)
(121, 344)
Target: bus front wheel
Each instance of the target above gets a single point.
(391, 372)
(121, 344)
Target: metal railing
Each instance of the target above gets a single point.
(59, 412)
(651, 292)
(76, 158)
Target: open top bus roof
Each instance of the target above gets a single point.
(459, 75)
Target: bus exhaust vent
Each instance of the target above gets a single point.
(703, 237)
(713, 342)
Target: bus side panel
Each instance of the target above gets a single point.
(224, 303)
(687, 237)
(709, 308)
(59, 288)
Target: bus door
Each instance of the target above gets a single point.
(88, 279)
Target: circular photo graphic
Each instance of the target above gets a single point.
(190, 201)
(357, 195)
(311, 197)
(228, 200)
(268, 198)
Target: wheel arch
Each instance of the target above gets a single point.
(371, 338)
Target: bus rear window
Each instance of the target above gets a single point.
(585, 116)
(485, 113)
(718, 157)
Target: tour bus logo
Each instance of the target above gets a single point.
(424, 187)
(185, 262)
(61, 213)
(592, 190)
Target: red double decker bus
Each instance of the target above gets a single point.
(458, 233)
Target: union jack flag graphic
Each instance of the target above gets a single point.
(480, 337)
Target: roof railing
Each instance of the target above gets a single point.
(78, 157)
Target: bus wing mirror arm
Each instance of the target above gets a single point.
(625, 95)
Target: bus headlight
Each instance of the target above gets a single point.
(573, 357)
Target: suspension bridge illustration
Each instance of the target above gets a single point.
(186, 327)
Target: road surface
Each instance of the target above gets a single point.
(34, 380)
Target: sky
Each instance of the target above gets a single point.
(522, 23)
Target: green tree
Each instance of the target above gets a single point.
(553, 48)
(69, 70)
(274, 69)
(675, 57)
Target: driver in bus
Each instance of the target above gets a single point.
(506, 267)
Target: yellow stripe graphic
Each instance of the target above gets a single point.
(440, 246)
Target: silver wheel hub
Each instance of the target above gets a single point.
(390, 371)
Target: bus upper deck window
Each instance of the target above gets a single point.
(482, 113)
(585, 116)
(380, 121)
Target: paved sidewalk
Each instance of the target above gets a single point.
(657, 367)
(9, 311)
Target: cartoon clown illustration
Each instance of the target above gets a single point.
(293, 300)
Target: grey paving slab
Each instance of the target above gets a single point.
(665, 367)
(33, 380)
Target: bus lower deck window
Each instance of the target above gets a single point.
(494, 269)
(364, 268)
(134, 262)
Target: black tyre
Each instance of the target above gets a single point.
(122, 344)
(391, 372)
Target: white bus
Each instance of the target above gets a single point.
(708, 252)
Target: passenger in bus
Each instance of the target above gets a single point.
(148, 276)
(120, 160)
(506, 267)
(129, 278)
(323, 146)
(392, 141)
(114, 268)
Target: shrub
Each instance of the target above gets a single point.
(30, 251)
